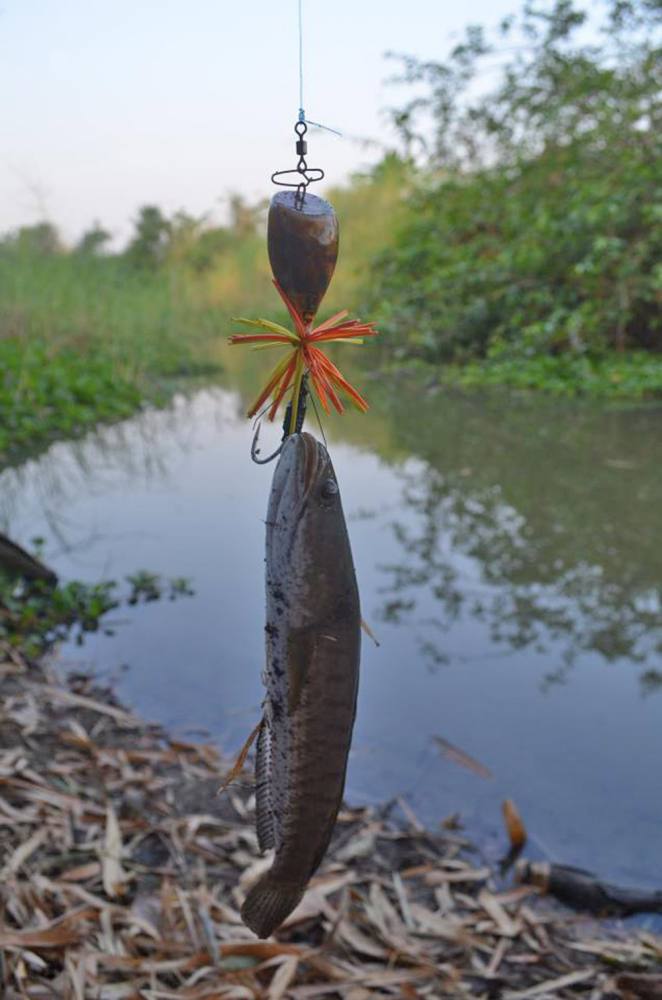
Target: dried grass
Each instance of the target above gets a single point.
(123, 872)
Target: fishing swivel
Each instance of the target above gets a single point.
(305, 175)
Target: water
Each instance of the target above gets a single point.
(509, 560)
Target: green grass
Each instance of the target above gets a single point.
(46, 393)
(142, 321)
(86, 340)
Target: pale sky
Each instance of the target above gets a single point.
(110, 104)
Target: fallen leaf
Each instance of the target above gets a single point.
(283, 978)
(514, 825)
(460, 757)
(113, 875)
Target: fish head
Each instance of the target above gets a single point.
(309, 557)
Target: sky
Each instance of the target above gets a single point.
(111, 105)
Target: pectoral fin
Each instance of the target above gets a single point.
(238, 765)
(368, 631)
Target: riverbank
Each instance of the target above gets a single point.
(50, 394)
(613, 378)
(124, 871)
(86, 341)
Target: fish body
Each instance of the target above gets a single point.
(311, 677)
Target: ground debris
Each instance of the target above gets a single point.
(585, 891)
(123, 872)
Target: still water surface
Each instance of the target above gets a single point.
(509, 560)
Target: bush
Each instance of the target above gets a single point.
(537, 231)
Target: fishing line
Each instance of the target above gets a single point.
(305, 242)
(319, 422)
(302, 113)
(258, 416)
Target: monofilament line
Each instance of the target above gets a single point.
(302, 114)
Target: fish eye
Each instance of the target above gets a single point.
(329, 489)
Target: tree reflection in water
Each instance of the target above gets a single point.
(540, 521)
(108, 460)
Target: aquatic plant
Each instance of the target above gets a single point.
(34, 615)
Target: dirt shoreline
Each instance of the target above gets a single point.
(123, 872)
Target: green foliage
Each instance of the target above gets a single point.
(149, 244)
(40, 240)
(146, 586)
(536, 229)
(636, 375)
(370, 210)
(94, 241)
(34, 616)
(85, 338)
(87, 335)
(46, 394)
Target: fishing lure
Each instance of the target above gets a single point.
(302, 240)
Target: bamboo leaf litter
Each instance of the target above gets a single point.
(124, 872)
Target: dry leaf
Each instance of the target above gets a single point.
(283, 978)
(460, 757)
(23, 852)
(113, 875)
(65, 931)
(395, 911)
(505, 924)
(238, 765)
(514, 825)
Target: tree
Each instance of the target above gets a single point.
(536, 229)
(93, 242)
(41, 239)
(149, 246)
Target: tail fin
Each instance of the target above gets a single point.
(269, 903)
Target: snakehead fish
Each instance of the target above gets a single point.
(311, 678)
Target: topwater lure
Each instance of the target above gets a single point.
(302, 239)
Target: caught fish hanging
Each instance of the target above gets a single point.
(313, 628)
(313, 639)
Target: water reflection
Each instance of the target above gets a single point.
(139, 451)
(535, 524)
(504, 545)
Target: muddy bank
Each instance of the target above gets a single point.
(123, 873)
